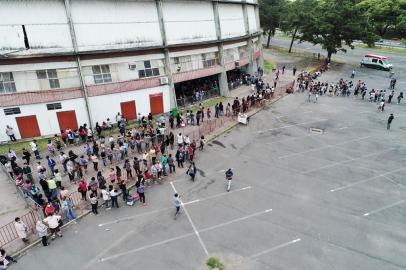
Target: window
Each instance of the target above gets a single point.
(101, 74)
(148, 69)
(11, 111)
(209, 59)
(54, 106)
(51, 75)
(7, 84)
(374, 60)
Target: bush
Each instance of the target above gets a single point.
(215, 263)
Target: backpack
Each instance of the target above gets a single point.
(140, 189)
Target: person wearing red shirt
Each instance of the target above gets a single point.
(83, 189)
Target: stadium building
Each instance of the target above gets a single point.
(64, 63)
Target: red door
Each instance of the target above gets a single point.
(67, 119)
(128, 110)
(157, 103)
(28, 126)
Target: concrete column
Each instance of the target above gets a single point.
(260, 39)
(168, 67)
(78, 63)
(250, 46)
(223, 84)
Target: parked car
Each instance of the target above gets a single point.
(376, 61)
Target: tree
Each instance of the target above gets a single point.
(298, 14)
(337, 23)
(271, 12)
(385, 15)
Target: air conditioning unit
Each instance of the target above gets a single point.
(164, 80)
(132, 66)
(237, 64)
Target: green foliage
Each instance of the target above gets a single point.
(336, 23)
(386, 15)
(269, 66)
(215, 263)
(271, 13)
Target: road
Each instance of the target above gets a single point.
(351, 59)
(299, 199)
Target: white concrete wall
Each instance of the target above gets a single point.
(188, 21)
(47, 120)
(45, 22)
(107, 106)
(231, 20)
(109, 24)
(252, 19)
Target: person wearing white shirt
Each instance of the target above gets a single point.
(21, 229)
(187, 140)
(10, 133)
(106, 198)
(180, 139)
(53, 223)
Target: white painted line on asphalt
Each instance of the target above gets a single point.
(307, 112)
(115, 256)
(275, 248)
(365, 180)
(293, 125)
(341, 128)
(323, 147)
(394, 182)
(236, 220)
(191, 223)
(217, 195)
(384, 208)
(129, 218)
(346, 161)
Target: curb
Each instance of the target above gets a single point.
(36, 242)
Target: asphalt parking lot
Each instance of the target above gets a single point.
(299, 200)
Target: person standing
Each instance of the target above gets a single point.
(141, 192)
(94, 203)
(53, 223)
(67, 206)
(390, 119)
(171, 164)
(51, 164)
(177, 202)
(26, 155)
(34, 148)
(294, 70)
(114, 197)
(42, 231)
(106, 198)
(191, 171)
(21, 229)
(83, 189)
(10, 133)
(95, 161)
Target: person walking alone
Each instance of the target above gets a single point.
(390, 119)
(177, 202)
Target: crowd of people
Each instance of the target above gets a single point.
(100, 165)
(346, 88)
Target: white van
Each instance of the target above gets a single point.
(376, 61)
